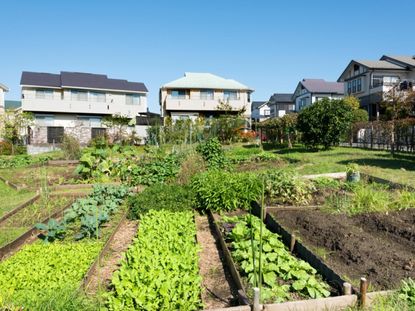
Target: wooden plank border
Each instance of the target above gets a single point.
(242, 297)
(21, 206)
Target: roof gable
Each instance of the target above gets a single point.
(281, 98)
(193, 80)
(402, 60)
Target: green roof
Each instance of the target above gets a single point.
(12, 104)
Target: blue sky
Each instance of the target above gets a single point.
(267, 45)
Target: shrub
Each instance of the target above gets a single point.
(224, 191)
(286, 187)
(71, 147)
(324, 122)
(160, 197)
(193, 164)
(211, 150)
(322, 183)
(5, 148)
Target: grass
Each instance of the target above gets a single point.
(11, 198)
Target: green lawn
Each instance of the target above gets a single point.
(11, 198)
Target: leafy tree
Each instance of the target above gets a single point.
(289, 127)
(119, 124)
(13, 126)
(324, 122)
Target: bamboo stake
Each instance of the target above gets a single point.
(292, 242)
(363, 291)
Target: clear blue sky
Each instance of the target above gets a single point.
(267, 45)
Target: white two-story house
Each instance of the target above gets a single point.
(3, 89)
(260, 111)
(199, 95)
(75, 103)
(368, 80)
(308, 91)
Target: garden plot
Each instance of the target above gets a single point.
(37, 177)
(11, 198)
(378, 246)
(26, 218)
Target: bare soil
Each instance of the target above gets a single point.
(380, 247)
(218, 290)
(101, 277)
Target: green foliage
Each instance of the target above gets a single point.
(324, 122)
(95, 164)
(321, 183)
(360, 115)
(407, 292)
(224, 191)
(160, 197)
(55, 230)
(286, 187)
(160, 270)
(71, 148)
(37, 272)
(281, 272)
(212, 152)
(22, 160)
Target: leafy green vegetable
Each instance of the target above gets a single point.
(212, 153)
(160, 270)
(281, 272)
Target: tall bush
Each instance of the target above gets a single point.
(71, 147)
(325, 122)
(212, 152)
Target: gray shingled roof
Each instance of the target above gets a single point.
(80, 80)
(405, 59)
(257, 104)
(322, 86)
(378, 64)
(281, 98)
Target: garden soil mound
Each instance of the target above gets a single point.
(380, 247)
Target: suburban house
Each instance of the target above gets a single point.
(260, 111)
(281, 104)
(369, 79)
(308, 91)
(199, 95)
(75, 103)
(3, 89)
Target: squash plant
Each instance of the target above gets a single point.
(281, 272)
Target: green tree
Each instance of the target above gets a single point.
(14, 125)
(324, 122)
(289, 127)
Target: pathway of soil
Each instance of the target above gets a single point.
(378, 246)
(101, 277)
(217, 290)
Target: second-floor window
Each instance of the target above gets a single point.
(44, 94)
(79, 95)
(132, 99)
(267, 112)
(378, 80)
(206, 94)
(178, 94)
(97, 97)
(230, 95)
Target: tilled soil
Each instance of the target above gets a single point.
(101, 277)
(218, 291)
(380, 247)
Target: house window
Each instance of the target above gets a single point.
(230, 95)
(390, 81)
(377, 81)
(97, 97)
(132, 99)
(267, 112)
(359, 85)
(354, 86)
(79, 95)
(43, 120)
(98, 132)
(178, 94)
(55, 134)
(349, 87)
(206, 94)
(44, 94)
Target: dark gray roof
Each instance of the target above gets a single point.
(80, 80)
(281, 98)
(256, 104)
(322, 86)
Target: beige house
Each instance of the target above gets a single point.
(199, 95)
(3, 89)
(369, 79)
(75, 103)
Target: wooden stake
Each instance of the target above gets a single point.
(363, 291)
(292, 244)
(347, 288)
(256, 306)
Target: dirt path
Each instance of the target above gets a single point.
(365, 245)
(217, 291)
(101, 277)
